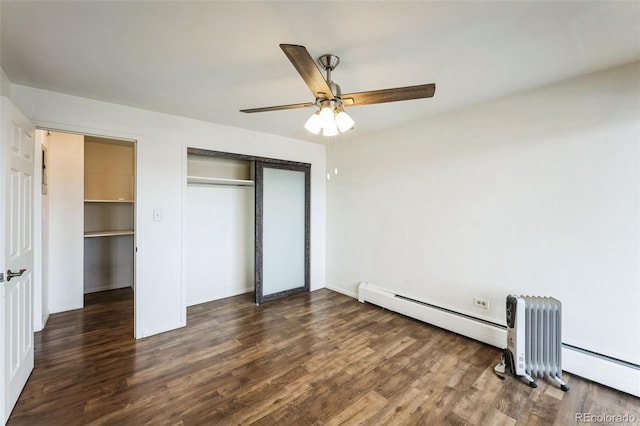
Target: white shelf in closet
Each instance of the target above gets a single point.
(108, 201)
(108, 233)
(219, 181)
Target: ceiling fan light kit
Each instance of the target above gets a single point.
(331, 118)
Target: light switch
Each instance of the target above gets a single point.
(157, 215)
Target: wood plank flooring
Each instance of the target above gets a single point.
(314, 358)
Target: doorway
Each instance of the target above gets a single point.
(88, 223)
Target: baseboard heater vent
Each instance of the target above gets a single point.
(440, 308)
(467, 325)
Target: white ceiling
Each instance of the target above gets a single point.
(208, 59)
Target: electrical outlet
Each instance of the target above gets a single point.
(481, 303)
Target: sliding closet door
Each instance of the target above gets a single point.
(282, 230)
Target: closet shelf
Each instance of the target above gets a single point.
(108, 233)
(219, 181)
(108, 201)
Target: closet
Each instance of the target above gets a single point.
(247, 226)
(108, 214)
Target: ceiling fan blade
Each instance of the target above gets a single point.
(306, 67)
(389, 95)
(278, 107)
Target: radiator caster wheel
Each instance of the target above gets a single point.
(564, 388)
(533, 384)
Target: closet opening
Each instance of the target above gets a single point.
(219, 227)
(247, 226)
(88, 205)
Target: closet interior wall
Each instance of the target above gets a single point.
(108, 214)
(219, 230)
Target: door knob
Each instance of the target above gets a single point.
(11, 274)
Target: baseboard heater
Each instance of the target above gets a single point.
(612, 372)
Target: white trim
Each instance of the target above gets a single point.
(65, 308)
(138, 310)
(590, 366)
(209, 299)
(37, 232)
(106, 287)
(342, 291)
(184, 303)
(85, 131)
(154, 331)
(45, 319)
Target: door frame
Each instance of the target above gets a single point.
(126, 137)
(275, 163)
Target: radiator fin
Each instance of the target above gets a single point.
(542, 336)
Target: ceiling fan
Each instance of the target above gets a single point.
(330, 117)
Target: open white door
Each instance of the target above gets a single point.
(16, 252)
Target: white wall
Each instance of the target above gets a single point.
(219, 249)
(108, 263)
(537, 194)
(66, 221)
(5, 85)
(162, 139)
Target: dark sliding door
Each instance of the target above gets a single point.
(282, 229)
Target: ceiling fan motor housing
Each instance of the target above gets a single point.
(329, 62)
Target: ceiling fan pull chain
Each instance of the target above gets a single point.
(335, 148)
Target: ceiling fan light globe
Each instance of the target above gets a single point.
(344, 122)
(327, 116)
(314, 124)
(330, 129)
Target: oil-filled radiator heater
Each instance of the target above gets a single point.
(534, 339)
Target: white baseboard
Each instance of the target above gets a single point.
(342, 291)
(65, 308)
(608, 372)
(154, 331)
(217, 297)
(106, 287)
(43, 322)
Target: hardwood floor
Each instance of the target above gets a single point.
(314, 358)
